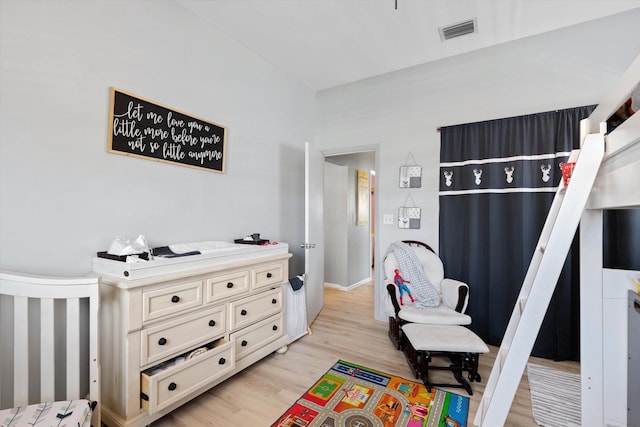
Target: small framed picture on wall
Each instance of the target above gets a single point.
(362, 201)
(410, 174)
(409, 215)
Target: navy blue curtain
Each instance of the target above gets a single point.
(497, 181)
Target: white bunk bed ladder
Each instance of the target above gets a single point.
(539, 284)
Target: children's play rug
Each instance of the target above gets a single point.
(349, 395)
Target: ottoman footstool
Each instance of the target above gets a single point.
(458, 344)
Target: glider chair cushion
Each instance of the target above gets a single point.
(454, 295)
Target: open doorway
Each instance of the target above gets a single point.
(349, 222)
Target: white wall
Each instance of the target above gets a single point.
(63, 196)
(400, 111)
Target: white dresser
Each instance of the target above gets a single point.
(173, 328)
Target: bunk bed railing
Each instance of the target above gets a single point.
(617, 183)
(614, 98)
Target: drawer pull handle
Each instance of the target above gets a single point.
(274, 301)
(269, 275)
(275, 328)
(243, 312)
(222, 361)
(162, 341)
(230, 285)
(175, 299)
(172, 386)
(244, 343)
(212, 323)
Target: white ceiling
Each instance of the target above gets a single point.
(326, 43)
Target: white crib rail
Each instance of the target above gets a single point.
(23, 288)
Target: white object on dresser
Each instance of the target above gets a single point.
(173, 328)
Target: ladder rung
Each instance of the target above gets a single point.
(482, 408)
(516, 315)
(502, 357)
(522, 303)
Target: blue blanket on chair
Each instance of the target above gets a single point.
(425, 294)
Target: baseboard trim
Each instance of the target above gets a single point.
(347, 288)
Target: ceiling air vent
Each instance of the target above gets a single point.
(457, 30)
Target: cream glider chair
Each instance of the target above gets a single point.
(454, 295)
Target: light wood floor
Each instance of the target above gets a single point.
(345, 329)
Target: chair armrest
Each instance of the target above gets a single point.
(455, 294)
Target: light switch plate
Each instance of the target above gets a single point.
(387, 219)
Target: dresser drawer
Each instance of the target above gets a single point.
(162, 387)
(159, 303)
(255, 336)
(267, 274)
(169, 338)
(251, 309)
(227, 285)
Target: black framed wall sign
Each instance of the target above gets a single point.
(142, 128)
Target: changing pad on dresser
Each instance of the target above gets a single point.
(206, 255)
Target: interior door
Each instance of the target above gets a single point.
(313, 231)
